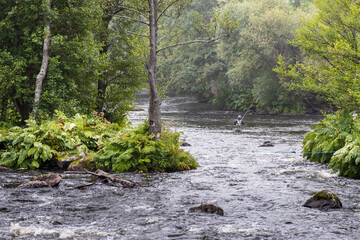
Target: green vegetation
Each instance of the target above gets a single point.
(36, 145)
(137, 150)
(236, 71)
(330, 40)
(330, 69)
(335, 140)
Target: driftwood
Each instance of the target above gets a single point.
(106, 176)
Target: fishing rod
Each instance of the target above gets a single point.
(247, 111)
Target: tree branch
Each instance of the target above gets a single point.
(132, 10)
(187, 43)
(135, 20)
(162, 13)
(137, 34)
(170, 28)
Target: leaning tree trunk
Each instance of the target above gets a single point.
(155, 101)
(45, 61)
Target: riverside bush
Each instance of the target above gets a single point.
(335, 140)
(35, 144)
(136, 150)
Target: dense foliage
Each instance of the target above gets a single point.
(77, 59)
(330, 40)
(336, 140)
(35, 145)
(137, 150)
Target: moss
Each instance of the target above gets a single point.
(325, 194)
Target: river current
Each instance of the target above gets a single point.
(261, 189)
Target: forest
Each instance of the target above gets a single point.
(82, 62)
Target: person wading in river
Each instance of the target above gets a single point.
(239, 122)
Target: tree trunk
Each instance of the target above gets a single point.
(23, 108)
(102, 83)
(45, 61)
(155, 101)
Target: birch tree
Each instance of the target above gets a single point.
(45, 61)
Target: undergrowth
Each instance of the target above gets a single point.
(335, 140)
(136, 150)
(114, 149)
(36, 144)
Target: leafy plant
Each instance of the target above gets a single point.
(36, 144)
(346, 160)
(136, 150)
(328, 136)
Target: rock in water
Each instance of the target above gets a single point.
(3, 168)
(323, 200)
(76, 168)
(267, 144)
(34, 184)
(208, 208)
(52, 179)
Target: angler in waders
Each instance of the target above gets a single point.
(238, 123)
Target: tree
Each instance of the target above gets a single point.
(69, 76)
(121, 73)
(45, 62)
(150, 14)
(331, 41)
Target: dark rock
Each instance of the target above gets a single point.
(3, 168)
(262, 112)
(323, 200)
(185, 144)
(63, 161)
(267, 144)
(34, 184)
(7, 235)
(56, 223)
(76, 168)
(52, 179)
(208, 208)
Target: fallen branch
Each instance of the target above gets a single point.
(104, 175)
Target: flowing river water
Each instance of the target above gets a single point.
(261, 189)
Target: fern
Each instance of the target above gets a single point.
(136, 151)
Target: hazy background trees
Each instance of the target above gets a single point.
(236, 71)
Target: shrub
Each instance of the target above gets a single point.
(35, 144)
(328, 136)
(336, 140)
(136, 150)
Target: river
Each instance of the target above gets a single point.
(261, 189)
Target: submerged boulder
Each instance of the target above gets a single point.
(34, 184)
(3, 168)
(41, 181)
(323, 200)
(52, 179)
(185, 144)
(76, 168)
(208, 208)
(267, 144)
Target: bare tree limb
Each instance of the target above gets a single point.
(137, 34)
(187, 43)
(132, 10)
(162, 13)
(135, 20)
(170, 28)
